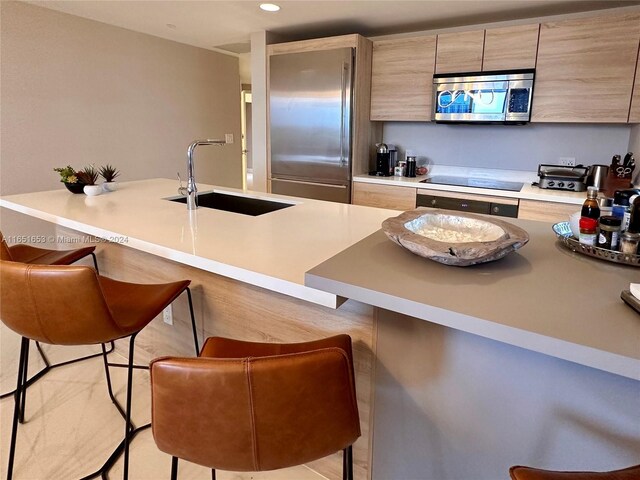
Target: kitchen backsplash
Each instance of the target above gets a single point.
(520, 147)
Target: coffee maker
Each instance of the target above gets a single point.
(384, 167)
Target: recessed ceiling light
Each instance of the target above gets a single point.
(171, 26)
(269, 7)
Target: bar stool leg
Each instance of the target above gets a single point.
(23, 395)
(24, 347)
(193, 322)
(174, 468)
(95, 262)
(213, 474)
(347, 463)
(127, 426)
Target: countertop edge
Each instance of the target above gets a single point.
(580, 354)
(284, 287)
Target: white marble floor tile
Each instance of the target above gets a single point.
(71, 426)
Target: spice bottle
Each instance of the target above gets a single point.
(634, 214)
(588, 231)
(590, 207)
(609, 232)
(629, 243)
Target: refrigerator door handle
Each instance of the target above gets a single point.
(344, 122)
(310, 183)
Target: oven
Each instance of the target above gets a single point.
(485, 204)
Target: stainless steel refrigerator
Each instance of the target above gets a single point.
(310, 121)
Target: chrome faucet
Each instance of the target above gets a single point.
(192, 190)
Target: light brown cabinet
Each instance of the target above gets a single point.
(585, 69)
(634, 113)
(546, 211)
(384, 196)
(460, 52)
(510, 47)
(401, 82)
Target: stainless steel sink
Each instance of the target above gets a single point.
(235, 203)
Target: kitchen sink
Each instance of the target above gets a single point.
(235, 203)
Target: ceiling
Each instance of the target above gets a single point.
(227, 25)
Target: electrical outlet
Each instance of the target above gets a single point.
(167, 315)
(228, 137)
(567, 161)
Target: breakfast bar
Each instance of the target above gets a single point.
(460, 371)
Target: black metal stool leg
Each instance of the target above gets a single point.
(174, 468)
(347, 463)
(95, 262)
(213, 474)
(48, 366)
(193, 322)
(23, 394)
(22, 365)
(127, 427)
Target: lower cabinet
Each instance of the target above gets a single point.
(546, 211)
(407, 198)
(384, 196)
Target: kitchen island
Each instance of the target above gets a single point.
(469, 373)
(247, 272)
(466, 367)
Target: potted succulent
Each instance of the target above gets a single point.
(89, 176)
(109, 173)
(69, 177)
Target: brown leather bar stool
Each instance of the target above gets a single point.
(42, 256)
(73, 305)
(246, 406)
(528, 473)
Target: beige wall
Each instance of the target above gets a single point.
(76, 91)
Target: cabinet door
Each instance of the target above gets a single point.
(460, 52)
(634, 114)
(585, 69)
(510, 47)
(384, 196)
(402, 78)
(546, 211)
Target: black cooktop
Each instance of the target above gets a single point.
(474, 182)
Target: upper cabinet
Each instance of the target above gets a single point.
(402, 72)
(634, 114)
(585, 69)
(510, 48)
(460, 52)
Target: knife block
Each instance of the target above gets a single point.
(613, 183)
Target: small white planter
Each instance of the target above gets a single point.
(92, 190)
(109, 186)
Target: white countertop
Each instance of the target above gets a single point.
(272, 251)
(528, 192)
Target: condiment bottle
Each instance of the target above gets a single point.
(588, 231)
(621, 206)
(590, 207)
(634, 215)
(609, 232)
(629, 243)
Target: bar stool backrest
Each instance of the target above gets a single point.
(254, 414)
(5, 254)
(62, 305)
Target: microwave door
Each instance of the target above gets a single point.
(471, 102)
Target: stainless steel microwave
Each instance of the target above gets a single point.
(483, 97)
